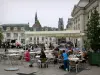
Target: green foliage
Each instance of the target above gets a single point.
(1, 36)
(93, 31)
(86, 44)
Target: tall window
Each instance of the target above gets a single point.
(79, 19)
(78, 26)
(15, 34)
(22, 28)
(42, 38)
(23, 41)
(76, 20)
(15, 28)
(37, 38)
(22, 34)
(30, 39)
(34, 38)
(8, 35)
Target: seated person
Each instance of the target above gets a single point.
(42, 57)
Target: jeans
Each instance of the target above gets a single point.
(66, 64)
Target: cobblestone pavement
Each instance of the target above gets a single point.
(93, 70)
(51, 70)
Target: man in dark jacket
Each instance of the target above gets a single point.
(42, 57)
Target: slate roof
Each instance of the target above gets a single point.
(26, 26)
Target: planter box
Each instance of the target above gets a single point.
(94, 58)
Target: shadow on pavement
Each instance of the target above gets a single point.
(73, 72)
(27, 74)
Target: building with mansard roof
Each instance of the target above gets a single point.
(14, 32)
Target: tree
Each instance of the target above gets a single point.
(1, 36)
(93, 31)
(86, 44)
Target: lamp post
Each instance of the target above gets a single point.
(26, 42)
(78, 42)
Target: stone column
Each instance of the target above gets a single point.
(80, 42)
(82, 22)
(19, 37)
(12, 36)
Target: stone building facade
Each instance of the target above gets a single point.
(81, 13)
(14, 32)
(17, 32)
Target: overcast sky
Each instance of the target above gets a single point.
(48, 11)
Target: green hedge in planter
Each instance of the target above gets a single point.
(94, 58)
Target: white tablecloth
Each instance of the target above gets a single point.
(2, 53)
(73, 59)
(32, 52)
(37, 56)
(15, 51)
(49, 55)
(13, 54)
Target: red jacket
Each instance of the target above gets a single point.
(27, 56)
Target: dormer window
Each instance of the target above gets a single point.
(8, 28)
(46, 29)
(22, 28)
(15, 28)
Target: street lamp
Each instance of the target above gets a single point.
(26, 42)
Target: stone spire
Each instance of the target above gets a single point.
(36, 17)
(36, 25)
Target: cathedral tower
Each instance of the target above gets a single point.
(37, 25)
(60, 24)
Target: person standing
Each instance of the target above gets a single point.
(28, 59)
(65, 60)
(6, 50)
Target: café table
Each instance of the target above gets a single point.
(37, 56)
(32, 52)
(73, 59)
(11, 68)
